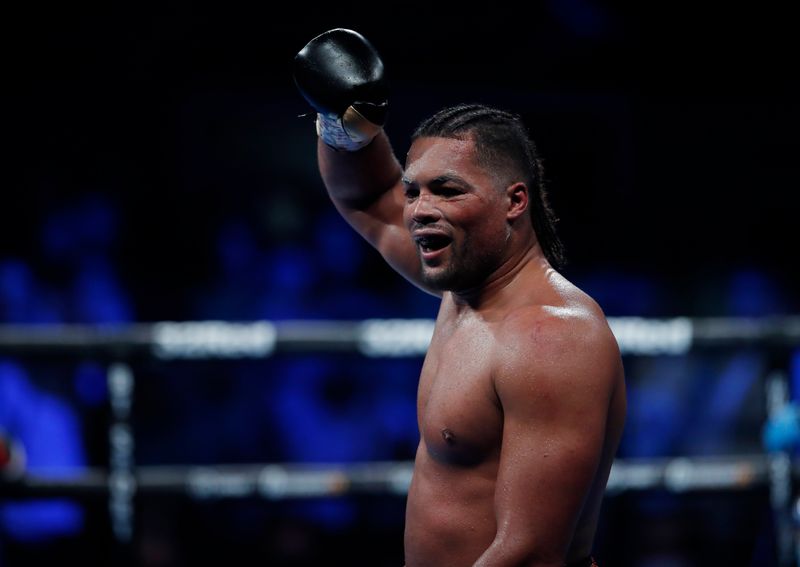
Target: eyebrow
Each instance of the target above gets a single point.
(439, 180)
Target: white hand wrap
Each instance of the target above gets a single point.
(349, 132)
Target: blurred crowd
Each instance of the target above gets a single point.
(310, 408)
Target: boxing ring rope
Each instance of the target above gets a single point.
(297, 481)
(373, 337)
(201, 340)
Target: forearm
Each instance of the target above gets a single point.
(357, 179)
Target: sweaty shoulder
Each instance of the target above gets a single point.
(562, 340)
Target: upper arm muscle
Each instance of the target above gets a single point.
(554, 397)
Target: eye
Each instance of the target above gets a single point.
(411, 192)
(449, 191)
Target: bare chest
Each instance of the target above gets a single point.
(460, 419)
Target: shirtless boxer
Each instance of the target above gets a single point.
(521, 400)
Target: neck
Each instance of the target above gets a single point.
(495, 290)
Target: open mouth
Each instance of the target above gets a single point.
(430, 243)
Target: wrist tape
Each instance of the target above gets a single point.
(349, 132)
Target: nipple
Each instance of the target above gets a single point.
(448, 436)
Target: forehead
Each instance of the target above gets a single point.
(432, 156)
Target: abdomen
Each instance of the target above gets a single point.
(450, 512)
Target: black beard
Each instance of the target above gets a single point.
(445, 280)
(458, 275)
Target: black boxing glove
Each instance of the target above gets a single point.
(341, 76)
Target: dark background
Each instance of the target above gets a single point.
(160, 165)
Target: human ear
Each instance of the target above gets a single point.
(517, 195)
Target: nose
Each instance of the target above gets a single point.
(424, 210)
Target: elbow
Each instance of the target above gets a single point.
(517, 552)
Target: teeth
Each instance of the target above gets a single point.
(429, 243)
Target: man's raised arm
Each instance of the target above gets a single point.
(341, 76)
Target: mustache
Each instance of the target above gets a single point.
(415, 226)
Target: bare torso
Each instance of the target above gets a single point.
(521, 399)
(450, 517)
